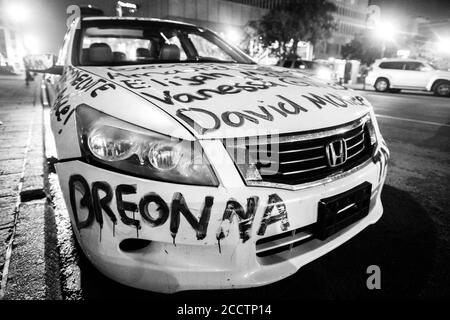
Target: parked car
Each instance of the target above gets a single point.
(185, 165)
(402, 74)
(313, 68)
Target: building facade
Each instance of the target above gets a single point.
(11, 43)
(228, 18)
(350, 19)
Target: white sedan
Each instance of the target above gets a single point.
(185, 165)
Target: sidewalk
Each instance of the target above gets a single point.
(24, 234)
(359, 86)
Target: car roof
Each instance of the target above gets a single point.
(399, 60)
(103, 18)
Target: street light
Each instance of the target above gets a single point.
(16, 12)
(233, 36)
(386, 31)
(444, 45)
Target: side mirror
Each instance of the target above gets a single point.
(42, 63)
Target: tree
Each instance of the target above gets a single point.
(295, 20)
(353, 50)
(366, 49)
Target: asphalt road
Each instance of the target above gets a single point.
(410, 243)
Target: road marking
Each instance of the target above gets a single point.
(412, 120)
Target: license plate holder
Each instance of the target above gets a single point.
(341, 210)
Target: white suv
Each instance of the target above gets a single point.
(396, 74)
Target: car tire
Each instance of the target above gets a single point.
(442, 89)
(382, 85)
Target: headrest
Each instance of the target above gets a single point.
(100, 52)
(119, 56)
(142, 53)
(169, 52)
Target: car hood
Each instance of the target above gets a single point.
(443, 73)
(215, 100)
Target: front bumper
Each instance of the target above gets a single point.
(185, 253)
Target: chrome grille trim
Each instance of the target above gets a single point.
(311, 184)
(300, 150)
(354, 136)
(356, 144)
(302, 160)
(355, 154)
(300, 171)
(325, 133)
(321, 133)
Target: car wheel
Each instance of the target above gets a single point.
(442, 89)
(382, 85)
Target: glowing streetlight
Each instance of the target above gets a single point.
(17, 12)
(233, 36)
(385, 30)
(444, 45)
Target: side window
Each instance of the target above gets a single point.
(414, 66)
(176, 41)
(394, 65)
(64, 50)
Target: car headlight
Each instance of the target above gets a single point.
(324, 74)
(115, 144)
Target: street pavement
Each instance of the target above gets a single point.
(410, 243)
(28, 265)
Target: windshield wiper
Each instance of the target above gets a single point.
(210, 59)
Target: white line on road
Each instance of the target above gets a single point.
(412, 120)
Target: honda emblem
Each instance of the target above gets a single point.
(336, 152)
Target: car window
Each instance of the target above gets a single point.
(395, 65)
(125, 42)
(287, 64)
(207, 49)
(64, 50)
(413, 66)
(298, 64)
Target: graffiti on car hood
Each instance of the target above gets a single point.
(231, 100)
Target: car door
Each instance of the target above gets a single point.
(393, 71)
(416, 74)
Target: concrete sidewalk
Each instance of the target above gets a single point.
(25, 236)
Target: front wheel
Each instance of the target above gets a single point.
(442, 89)
(382, 85)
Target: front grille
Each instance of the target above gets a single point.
(302, 158)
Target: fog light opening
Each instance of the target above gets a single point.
(131, 245)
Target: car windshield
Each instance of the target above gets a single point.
(125, 42)
(432, 66)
